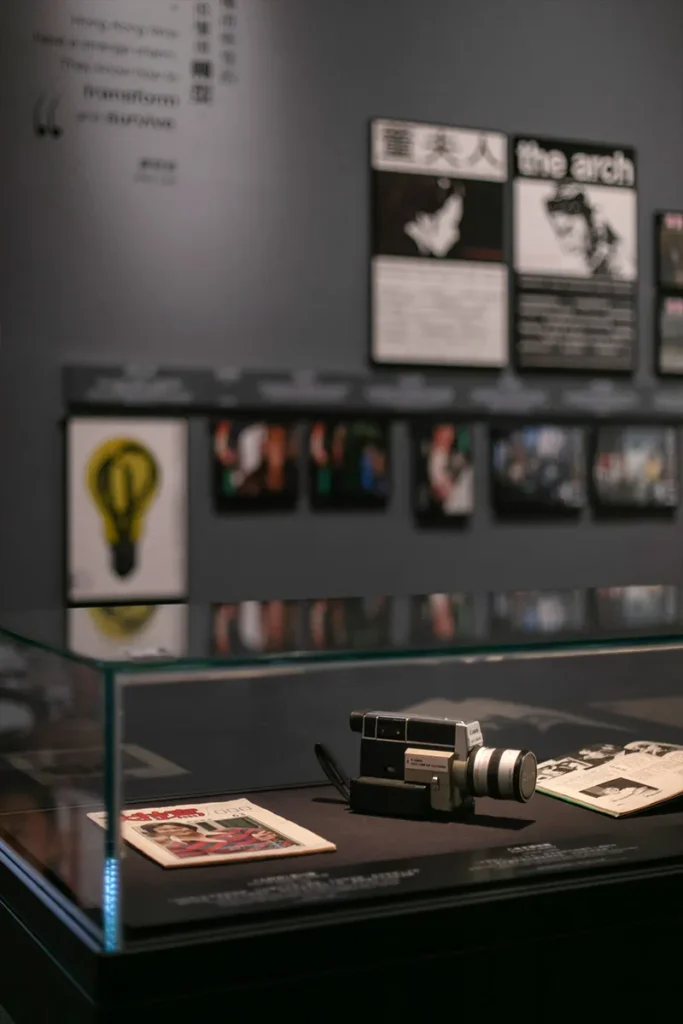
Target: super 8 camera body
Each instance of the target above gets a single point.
(413, 766)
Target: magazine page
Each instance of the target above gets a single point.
(213, 833)
(613, 779)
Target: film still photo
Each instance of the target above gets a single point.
(261, 627)
(538, 612)
(637, 606)
(255, 464)
(670, 250)
(349, 464)
(440, 619)
(636, 469)
(444, 472)
(538, 468)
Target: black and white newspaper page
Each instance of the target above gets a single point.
(575, 255)
(615, 779)
(439, 278)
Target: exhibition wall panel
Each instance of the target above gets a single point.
(168, 213)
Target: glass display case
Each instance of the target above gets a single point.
(124, 717)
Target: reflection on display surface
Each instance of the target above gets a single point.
(539, 612)
(538, 468)
(444, 472)
(255, 464)
(637, 606)
(349, 463)
(636, 467)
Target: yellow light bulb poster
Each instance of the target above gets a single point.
(126, 509)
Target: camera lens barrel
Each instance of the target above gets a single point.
(501, 774)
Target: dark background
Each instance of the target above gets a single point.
(258, 257)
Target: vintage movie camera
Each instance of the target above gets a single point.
(412, 766)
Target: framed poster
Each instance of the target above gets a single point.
(444, 472)
(538, 468)
(439, 276)
(669, 285)
(126, 509)
(636, 468)
(669, 332)
(255, 465)
(122, 631)
(575, 255)
(669, 250)
(349, 464)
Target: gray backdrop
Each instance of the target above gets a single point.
(257, 256)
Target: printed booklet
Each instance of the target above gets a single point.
(214, 833)
(613, 779)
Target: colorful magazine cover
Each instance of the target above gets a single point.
(213, 833)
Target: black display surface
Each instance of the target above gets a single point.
(575, 255)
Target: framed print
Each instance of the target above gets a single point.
(575, 235)
(669, 333)
(636, 468)
(669, 250)
(439, 276)
(257, 627)
(126, 509)
(538, 612)
(122, 631)
(349, 464)
(538, 468)
(255, 464)
(444, 472)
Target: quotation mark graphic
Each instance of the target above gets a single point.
(45, 118)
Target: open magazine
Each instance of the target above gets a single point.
(193, 834)
(614, 779)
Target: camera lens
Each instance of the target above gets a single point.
(502, 774)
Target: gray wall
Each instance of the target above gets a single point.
(258, 257)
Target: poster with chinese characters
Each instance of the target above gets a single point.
(439, 276)
(215, 833)
(575, 255)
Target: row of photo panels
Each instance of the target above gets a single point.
(128, 482)
(381, 623)
(534, 466)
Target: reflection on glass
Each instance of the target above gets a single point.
(120, 632)
(541, 612)
(442, 618)
(637, 606)
(339, 624)
(257, 627)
